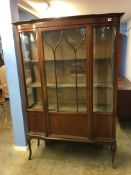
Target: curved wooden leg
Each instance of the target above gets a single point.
(38, 143)
(113, 150)
(30, 150)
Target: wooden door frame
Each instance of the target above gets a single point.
(88, 75)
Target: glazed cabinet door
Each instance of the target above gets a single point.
(31, 70)
(65, 59)
(104, 57)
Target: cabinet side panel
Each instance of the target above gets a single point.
(36, 123)
(102, 126)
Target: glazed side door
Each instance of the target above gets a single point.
(104, 80)
(32, 81)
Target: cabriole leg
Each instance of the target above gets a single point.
(30, 150)
(38, 143)
(113, 150)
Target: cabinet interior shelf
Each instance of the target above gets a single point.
(37, 106)
(69, 59)
(31, 61)
(103, 85)
(103, 59)
(71, 108)
(81, 85)
(34, 85)
(65, 85)
(102, 108)
(71, 85)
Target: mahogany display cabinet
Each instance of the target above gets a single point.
(69, 68)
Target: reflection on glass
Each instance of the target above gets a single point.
(31, 69)
(65, 63)
(103, 68)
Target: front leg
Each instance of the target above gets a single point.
(30, 150)
(113, 150)
(38, 142)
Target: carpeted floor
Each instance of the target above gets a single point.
(65, 158)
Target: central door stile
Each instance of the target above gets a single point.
(89, 77)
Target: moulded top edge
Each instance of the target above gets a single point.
(70, 17)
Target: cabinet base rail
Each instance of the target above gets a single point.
(48, 140)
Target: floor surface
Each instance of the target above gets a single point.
(64, 158)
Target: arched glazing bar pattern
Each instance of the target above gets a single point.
(65, 63)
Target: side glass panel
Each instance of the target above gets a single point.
(31, 69)
(103, 68)
(65, 64)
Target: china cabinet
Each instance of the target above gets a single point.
(69, 72)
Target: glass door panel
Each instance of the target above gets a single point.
(31, 69)
(65, 64)
(81, 82)
(103, 68)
